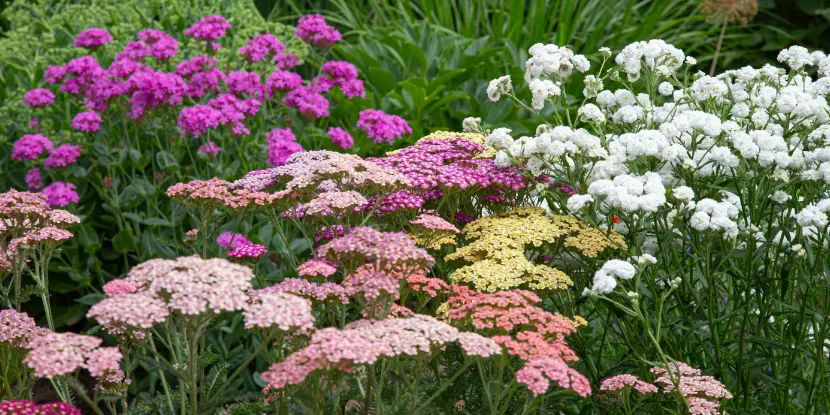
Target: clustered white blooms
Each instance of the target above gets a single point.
(605, 279)
(664, 148)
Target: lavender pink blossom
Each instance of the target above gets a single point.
(38, 98)
(382, 127)
(62, 156)
(340, 137)
(61, 194)
(30, 147)
(92, 38)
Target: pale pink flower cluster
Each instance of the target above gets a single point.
(193, 286)
(371, 282)
(703, 393)
(115, 288)
(434, 222)
(365, 244)
(57, 354)
(316, 268)
(283, 311)
(305, 171)
(18, 330)
(129, 313)
(365, 342)
(332, 202)
(475, 344)
(314, 291)
(615, 383)
(104, 361)
(156, 288)
(537, 375)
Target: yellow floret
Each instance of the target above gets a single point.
(592, 241)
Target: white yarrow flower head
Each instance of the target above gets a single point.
(499, 86)
(796, 57)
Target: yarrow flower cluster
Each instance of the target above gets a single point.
(367, 341)
(31, 408)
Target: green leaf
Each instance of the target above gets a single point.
(166, 161)
(124, 241)
(157, 222)
(382, 79)
(208, 357)
(216, 378)
(91, 299)
(89, 239)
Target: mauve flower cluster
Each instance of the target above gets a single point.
(703, 393)
(308, 289)
(38, 98)
(316, 268)
(402, 200)
(262, 47)
(615, 383)
(92, 38)
(208, 28)
(447, 164)
(365, 244)
(62, 156)
(371, 281)
(340, 137)
(279, 310)
(281, 145)
(57, 354)
(367, 341)
(537, 374)
(24, 211)
(17, 329)
(342, 74)
(210, 149)
(382, 127)
(314, 30)
(329, 203)
(304, 172)
(31, 408)
(88, 122)
(30, 147)
(61, 194)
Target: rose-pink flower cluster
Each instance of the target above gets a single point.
(382, 127)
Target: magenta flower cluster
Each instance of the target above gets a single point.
(208, 28)
(382, 127)
(314, 30)
(38, 98)
(88, 122)
(281, 145)
(92, 38)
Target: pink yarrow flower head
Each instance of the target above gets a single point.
(38, 98)
(17, 329)
(434, 222)
(30, 147)
(313, 30)
(537, 375)
(57, 354)
(210, 149)
(60, 194)
(208, 28)
(118, 287)
(62, 156)
(34, 181)
(308, 102)
(340, 137)
(281, 145)
(92, 38)
(31, 408)
(366, 342)
(161, 45)
(88, 122)
(262, 47)
(250, 251)
(382, 127)
(316, 268)
(365, 244)
(104, 361)
(230, 240)
(129, 314)
(615, 383)
(703, 393)
(279, 311)
(282, 81)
